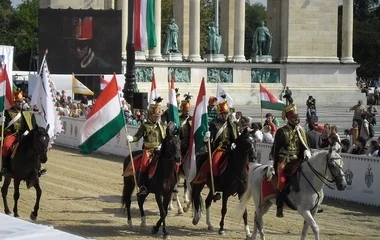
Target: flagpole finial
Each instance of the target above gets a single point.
(46, 51)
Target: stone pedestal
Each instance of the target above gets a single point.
(214, 58)
(262, 59)
(140, 56)
(173, 57)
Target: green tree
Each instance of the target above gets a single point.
(254, 14)
(207, 16)
(6, 12)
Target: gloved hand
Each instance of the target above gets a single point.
(129, 138)
(270, 171)
(233, 146)
(158, 148)
(207, 136)
(307, 154)
(2, 119)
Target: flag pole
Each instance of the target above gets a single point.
(43, 60)
(2, 124)
(211, 171)
(261, 107)
(128, 143)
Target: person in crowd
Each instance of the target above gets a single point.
(358, 110)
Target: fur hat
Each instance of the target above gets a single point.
(185, 104)
(223, 106)
(289, 111)
(212, 100)
(18, 96)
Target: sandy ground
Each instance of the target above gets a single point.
(81, 195)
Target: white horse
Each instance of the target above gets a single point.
(324, 166)
(175, 197)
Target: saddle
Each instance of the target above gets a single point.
(203, 168)
(269, 187)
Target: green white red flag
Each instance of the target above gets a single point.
(144, 25)
(173, 108)
(269, 101)
(199, 128)
(6, 96)
(104, 121)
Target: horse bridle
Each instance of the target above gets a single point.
(39, 140)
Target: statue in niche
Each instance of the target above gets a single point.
(215, 40)
(171, 43)
(262, 41)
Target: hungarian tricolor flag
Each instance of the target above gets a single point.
(173, 108)
(104, 83)
(145, 26)
(153, 90)
(199, 128)
(6, 96)
(269, 101)
(104, 120)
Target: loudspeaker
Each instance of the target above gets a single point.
(140, 100)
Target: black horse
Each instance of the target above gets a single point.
(161, 184)
(233, 180)
(25, 165)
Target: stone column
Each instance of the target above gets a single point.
(123, 6)
(181, 15)
(239, 31)
(195, 31)
(347, 31)
(155, 54)
(227, 11)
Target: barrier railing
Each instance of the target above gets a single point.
(362, 172)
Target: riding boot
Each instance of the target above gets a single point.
(6, 168)
(217, 195)
(280, 203)
(142, 176)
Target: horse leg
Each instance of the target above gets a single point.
(141, 200)
(196, 199)
(185, 192)
(258, 221)
(309, 221)
(186, 196)
(16, 196)
(179, 206)
(208, 202)
(34, 214)
(304, 230)
(160, 205)
(4, 193)
(245, 216)
(224, 211)
(126, 199)
(166, 200)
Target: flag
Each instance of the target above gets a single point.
(6, 96)
(80, 88)
(103, 84)
(269, 101)
(104, 121)
(198, 129)
(173, 108)
(44, 97)
(153, 90)
(220, 91)
(145, 26)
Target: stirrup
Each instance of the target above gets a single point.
(143, 190)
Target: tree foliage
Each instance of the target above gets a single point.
(254, 14)
(19, 28)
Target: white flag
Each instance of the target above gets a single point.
(219, 92)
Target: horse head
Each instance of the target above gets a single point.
(245, 145)
(335, 165)
(171, 145)
(40, 141)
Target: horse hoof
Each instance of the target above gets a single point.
(129, 222)
(8, 212)
(143, 224)
(210, 228)
(186, 201)
(185, 209)
(33, 217)
(166, 236)
(180, 211)
(221, 232)
(248, 236)
(195, 221)
(154, 230)
(170, 207)
(16, 215)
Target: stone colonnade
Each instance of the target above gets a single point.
(232, 29)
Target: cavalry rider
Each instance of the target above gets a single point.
(154, 133)
(222, 132)
(17, 123)
(185, 124)
(289, 148)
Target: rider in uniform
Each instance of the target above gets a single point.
(185, 124)
(153, 132)
(290, 146)
(222, 134)
(17, 123)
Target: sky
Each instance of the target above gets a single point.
(15, 2)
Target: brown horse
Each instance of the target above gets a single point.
(161, 184)
(25, 165)
(233, 180)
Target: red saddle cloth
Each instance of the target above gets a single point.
(268, 189)
(151, 168)
(218, 166)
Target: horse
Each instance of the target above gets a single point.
(161, 184)
(25, 166)
(233, 180)
(324, 166)
(186, 191)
